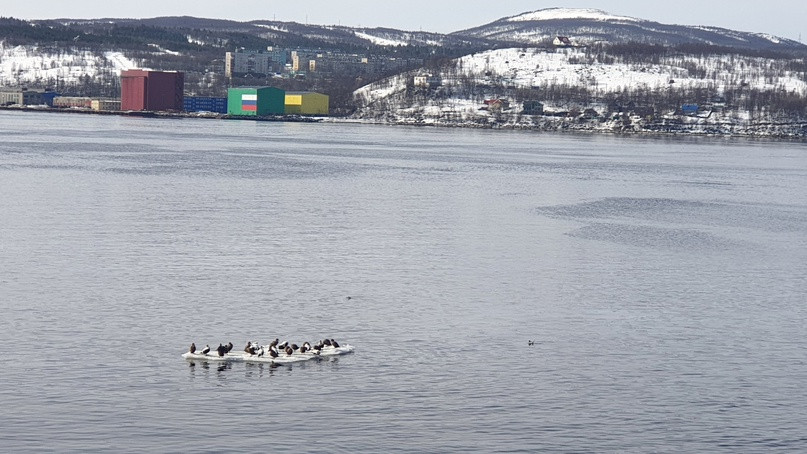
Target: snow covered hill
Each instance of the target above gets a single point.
(573, 80)
(586, 26)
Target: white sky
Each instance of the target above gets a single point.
(785, 18)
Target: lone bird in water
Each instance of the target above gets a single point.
(530, 342)
(193, 348)
(206, 350)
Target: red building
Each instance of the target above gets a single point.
(152, 90)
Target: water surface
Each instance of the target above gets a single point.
(663, 281)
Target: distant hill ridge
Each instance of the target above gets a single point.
(586, 26)
(583, 26)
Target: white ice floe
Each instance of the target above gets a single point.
(282, 358)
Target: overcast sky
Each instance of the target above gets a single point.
(785, 18)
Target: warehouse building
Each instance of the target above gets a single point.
(205, 104)
(72, 102)
(48, 97)
(105, 104)
(20, 96)
(256, 101)
(306, 103)
(152, 90)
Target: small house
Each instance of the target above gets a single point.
(590, 114)
(497, 105)
(562, 41)
(689, 109)
(532, 107)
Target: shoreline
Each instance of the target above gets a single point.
(159, 114)
(761, 130)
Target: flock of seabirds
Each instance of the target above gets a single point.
(274, 348)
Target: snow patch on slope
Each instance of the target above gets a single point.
(378, 41)
(569, 13)
(771, 38)
(20, 65)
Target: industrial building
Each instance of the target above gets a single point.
(205, 104)
(84, 102)
(20, 96)
(75, 102)
(48, 97)
(256, 101)
(152, 90)
(306, 103)
(105, 104)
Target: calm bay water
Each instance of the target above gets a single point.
(663, 281)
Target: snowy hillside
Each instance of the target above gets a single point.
(22, 65)
(573, 80)
(586, 26)
(533, 68)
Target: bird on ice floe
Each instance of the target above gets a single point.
(306, 347)
(221, 350)
(228, 347)
(289, 351)
(273, 351)
(206, 350)
(192, 350)
(334, 344)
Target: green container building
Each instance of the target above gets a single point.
(256, 101)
